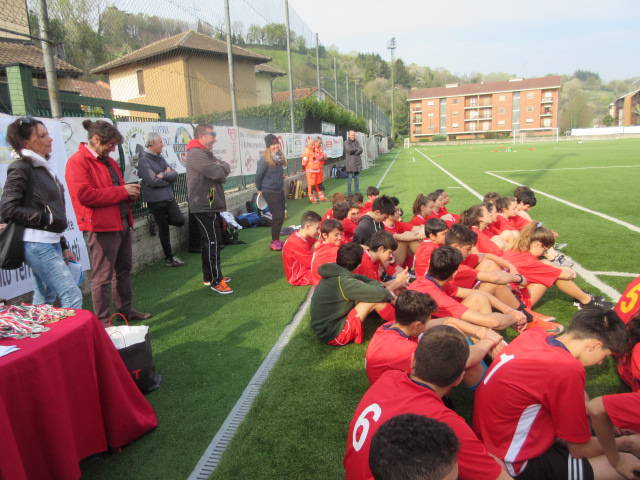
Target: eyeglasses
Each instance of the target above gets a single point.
(25, 121)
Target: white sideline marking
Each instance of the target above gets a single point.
(617, 274)
(387, 170)
(628, 225)
(453, 177)
(212, 456)
(564, 168)
(588, 276)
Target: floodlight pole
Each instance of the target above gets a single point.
(286, 18)
(49, 64)
(392, 46)
(232, 83)
(335, 80)
(318, 63)
(346, 79)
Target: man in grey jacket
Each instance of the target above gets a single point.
(206, 175)
(157, 180)
(353, 162)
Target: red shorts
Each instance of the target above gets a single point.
(351, 332)
(623, 410)
(314, 178)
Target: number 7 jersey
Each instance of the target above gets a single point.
(393, 394)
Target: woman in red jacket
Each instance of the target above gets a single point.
(101, 201)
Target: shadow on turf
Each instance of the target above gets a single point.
(531, 177)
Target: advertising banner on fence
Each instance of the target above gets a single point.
(295, 143)
(174, 135)
(18, 282)
(74, 133)
(226, 148)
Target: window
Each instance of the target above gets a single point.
(418, 129)
(140, 77)
(530, 95)
(546, 122)
(430, 115)
(430, 103)
(455, 113)
(472, 127)
(548, 94)
(501, 110)
(486, 125)
(502, 98)
(455, 125)
(530, 108)
(417, 117)
(529, 120)
(500, 122)
(472, 101)
(454, 101)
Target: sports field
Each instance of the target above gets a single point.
(208, 347)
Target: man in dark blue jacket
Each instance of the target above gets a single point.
(157, 180)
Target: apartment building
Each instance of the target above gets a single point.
(485, 110)
(626, 109)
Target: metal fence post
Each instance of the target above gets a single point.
(232, 87)
(335, 79)
(346, 79)
(318, 62)
(49, 64)
(286, 17)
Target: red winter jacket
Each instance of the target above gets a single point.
(95, 199)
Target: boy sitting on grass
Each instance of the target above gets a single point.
(298, 250)
(394, 343)
(372, 194)
(327, 249)
(371, 222)
(476, 306)
(343, 300)
(350, 223)
(377, 256)
(434, 231)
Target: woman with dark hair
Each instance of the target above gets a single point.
(102, 203)
(270, 182)
(34, 197)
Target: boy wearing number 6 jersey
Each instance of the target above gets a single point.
(530, 407)
(438, 366)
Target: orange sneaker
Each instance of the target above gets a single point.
(540, 316)
(312, 199)
(222, 288)
(550, 328)
(321, 197)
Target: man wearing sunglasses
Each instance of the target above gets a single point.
(206, 175)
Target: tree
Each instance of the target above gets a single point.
(275, 35)
(608, 120)
(298, 43)
(255, 35)
(575, 112)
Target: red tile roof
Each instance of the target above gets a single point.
(24, 53)
(552, 81)
(97, 89)
(298, 94)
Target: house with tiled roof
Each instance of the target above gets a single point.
(482, 110)
(187, 74)
(265, 74)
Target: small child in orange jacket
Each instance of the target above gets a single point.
(313, 161)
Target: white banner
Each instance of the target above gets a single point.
(226, 148)
(74, 133)
(251, 147)
(18, 282)
(293, 144)
(174, 135)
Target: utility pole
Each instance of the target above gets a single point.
(286, 17)
(355, 94)
(335, 80)
(49, 65)
(318, 62)
(346, 79)
(232, 82)
(392, 46)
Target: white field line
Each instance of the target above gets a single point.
(565, 168)
(213, 454)
(453, 177)
(387, 170)
(617, 274)
(588, 276)
(628, 225)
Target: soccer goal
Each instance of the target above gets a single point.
(520, 136)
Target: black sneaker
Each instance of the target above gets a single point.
(597, 302)
(174, 262)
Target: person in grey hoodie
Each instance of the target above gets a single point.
(206, 175)
(157, 180)
(353, 162)
(270, 182)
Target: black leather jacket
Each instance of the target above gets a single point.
(45, 209)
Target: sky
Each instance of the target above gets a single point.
(527, 39)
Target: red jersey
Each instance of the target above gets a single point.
(623, 410)
(389, 349)
(396, 394)
(533, 269)
(368, 267)
(422, 257)
(417, 221)
(348, 229)
(499, 225)
(518, 222)
(531, 395)
(325, 253)
(296, 259)
(629, 368)
(366, 208)
(465, 277)
(485, 245)
(328, 215)
(443, 295)
(398, 227)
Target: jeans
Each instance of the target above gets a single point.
(356, 181)
(53, 277)
(166, 213)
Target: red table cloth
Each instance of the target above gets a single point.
(64, 396)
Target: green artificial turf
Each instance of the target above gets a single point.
(298, 425)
